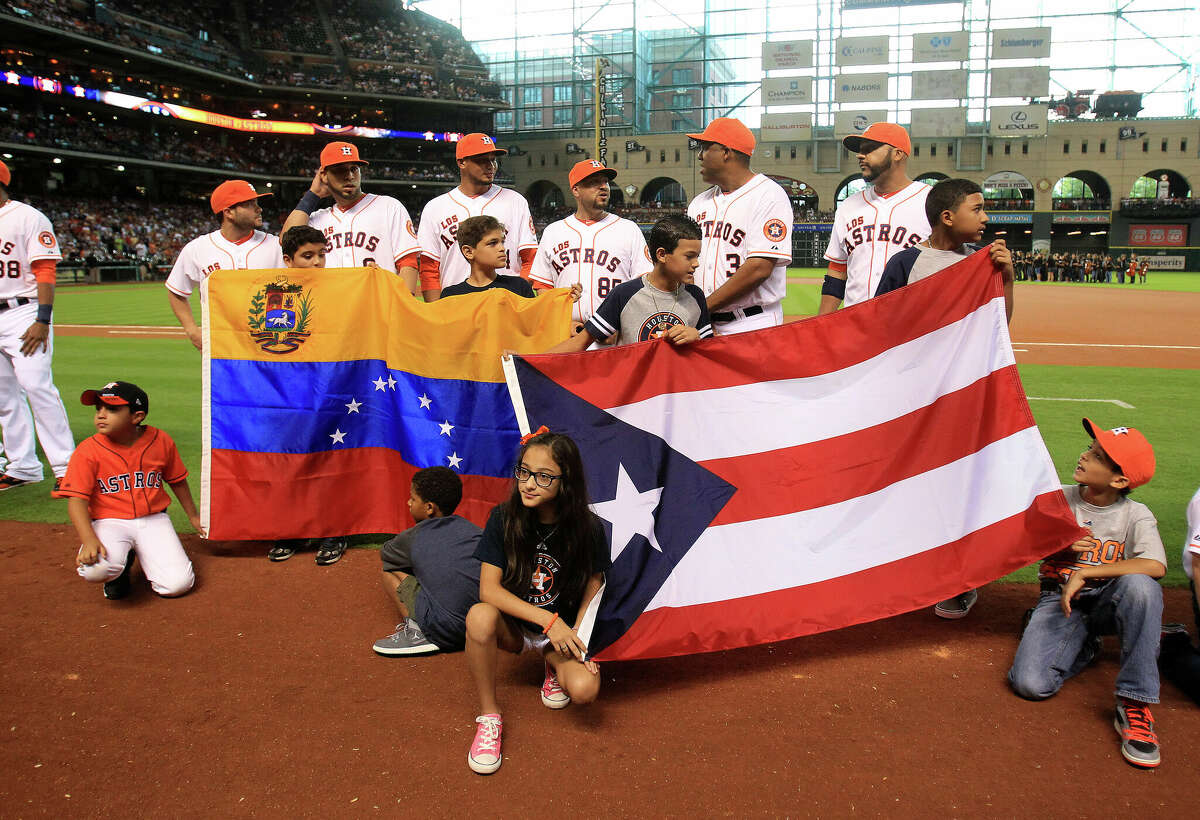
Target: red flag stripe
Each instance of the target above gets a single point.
(621, 376)
(343, 492)
(845, 467)
(879, 592)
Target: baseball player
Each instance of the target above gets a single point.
(28, 259)
(877, 222)
(747, 223)
(442, 265)
(237, 245)
(362, 229)
(592, 248)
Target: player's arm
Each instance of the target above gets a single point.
(184, 493)
(753, 272)
(406, 269)
(182, 309)
(308, 203)
(1002, 258)
(37, 335)
(91, 550)
(833, 289)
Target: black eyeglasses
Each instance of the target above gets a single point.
(543, 480)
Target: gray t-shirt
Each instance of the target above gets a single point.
(1124, 529)
(932, 260)
(637, 311)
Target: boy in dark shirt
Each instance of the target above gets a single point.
(481, 241)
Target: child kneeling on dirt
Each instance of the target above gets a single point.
(1103, 584)
(114, 484)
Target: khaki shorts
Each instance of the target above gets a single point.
(407, 593)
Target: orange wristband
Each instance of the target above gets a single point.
(552, 620)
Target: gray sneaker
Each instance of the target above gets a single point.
(957, 607)
(1135, 725)
(408, 639)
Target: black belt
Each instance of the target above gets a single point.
(20, 300)
(1051, 586)
(729, 316)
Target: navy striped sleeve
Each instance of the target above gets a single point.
(607, 319)
(895, 273)
(703, 324)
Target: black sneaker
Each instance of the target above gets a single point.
(7, 482)
(285, 549)
(330, 550)
(118, 587)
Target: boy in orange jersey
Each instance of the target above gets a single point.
(114, 486)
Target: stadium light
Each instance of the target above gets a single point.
(58, 160)
(120, 167)
(8, 156)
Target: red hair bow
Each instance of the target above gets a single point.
(525, 439)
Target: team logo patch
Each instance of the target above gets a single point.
(409, 227)
(346, 151)
(279, 316)
(542, 584)
(46, 239)
(775, 230)
(657, 324)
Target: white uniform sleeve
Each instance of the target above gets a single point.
(526, 235)
(427, 234)
(542, 271)
(277, 253)
(401, 233)
(1192, 546)
(836, 252)
(41, 242)
(185, 274)
(769, 233)
(640, 262)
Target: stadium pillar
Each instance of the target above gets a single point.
(1043, 225)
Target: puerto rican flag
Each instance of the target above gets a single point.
(808, 477)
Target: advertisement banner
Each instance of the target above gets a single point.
(787, 54)
(785, 127)
(787, 90)
(1020, 43)
(861, 87)
(1007, 180)
(846, 123)
(1026, 81)
(1158, 236)
(854, 5)
(1082, 218)
(939, 85)
(862, 50)
(1017, 121)
(938, 122)
(1166, 262)
(940, 46)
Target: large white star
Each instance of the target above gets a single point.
(425, 401)
(338, 436)
(353, 406)
(454, 460)
(446, 428)
(630, 513)
(379, 383)
(391, 382)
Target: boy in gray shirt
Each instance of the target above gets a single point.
(1103, 584)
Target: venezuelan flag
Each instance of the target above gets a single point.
(326, 389)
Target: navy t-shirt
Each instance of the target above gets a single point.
(516, 284)
(545, 585)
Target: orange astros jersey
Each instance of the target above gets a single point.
(123, 482)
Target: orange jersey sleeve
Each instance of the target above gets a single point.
(409, 261)
(44, 270)
(527, 255)
(430, 273)
(839, 267)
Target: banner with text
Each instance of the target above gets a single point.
(795, 127)
(846, 123)
(938, 122)
(861, 87)
(1171, 236)
(787, 90)
(1026, 81)
(787, 54)
(1020, 43)
(862, 50)
(1017, 121)
(940, 47)
(939, 85)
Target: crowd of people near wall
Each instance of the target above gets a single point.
(1080, 267)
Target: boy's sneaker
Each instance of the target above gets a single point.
(553, 695)
(408, 639)
(118, 587)
(285, 549)
(1174, 639)
(485, 757)
(1135, 724)
(957, 607)
(330, 550)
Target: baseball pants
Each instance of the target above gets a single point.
(772, 316)
(29, 377)
(154, 540)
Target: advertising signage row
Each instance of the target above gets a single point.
(928, 47)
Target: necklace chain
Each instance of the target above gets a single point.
(654, 299)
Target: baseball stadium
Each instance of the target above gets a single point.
(801, 354)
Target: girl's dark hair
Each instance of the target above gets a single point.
(575, 524)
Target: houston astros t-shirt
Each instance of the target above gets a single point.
(545, 586)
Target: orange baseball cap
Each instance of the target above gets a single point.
(472, 145)
(886, 132)
(5, 174)
(1128, 448)
(728, 132)
(233, 192)
(338, 152)
(586, 168)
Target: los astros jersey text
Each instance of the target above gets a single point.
(26, 236)
(375, 229)
(212, 252)
(442, 215)
(868, 229)
(123, 482)
(754, 220)
(598, 255)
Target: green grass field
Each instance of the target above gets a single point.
(169, 371)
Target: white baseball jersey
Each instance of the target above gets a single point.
(868, 229)
(375, 229)
(211, 252)
(1192, 545)
(598, 255)
(753, 220)
(441, 217)
(26, 236)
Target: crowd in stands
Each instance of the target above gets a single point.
(276, 26)
(1081, 204)
(1153, 206)
(1077, 267)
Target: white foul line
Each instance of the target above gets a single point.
(1097, 344)
(1117, 402)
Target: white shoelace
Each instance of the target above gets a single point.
(487, 739)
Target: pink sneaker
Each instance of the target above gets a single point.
(485, 757)
(553, 695)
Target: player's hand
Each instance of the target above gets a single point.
(564, 640)
(91, 552)
(576, 292)
(320, 186)
(38, 335)
(197, 526)
(1002, 259)
(196, 338)
(1070, 589)
(1084, 545)
(681, 334)
(592, 667)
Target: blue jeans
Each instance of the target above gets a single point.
(1055, 647)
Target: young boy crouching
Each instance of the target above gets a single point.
(114, 486)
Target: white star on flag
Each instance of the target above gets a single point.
(353, 406)
(630, 513)
(338, 437)
(379, 383)
(13, 78)
(391, 382)
(446, 428)
(425, 401)
(454, 460)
